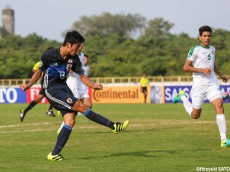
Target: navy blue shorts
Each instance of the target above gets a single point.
(61, 98)
(42, 92)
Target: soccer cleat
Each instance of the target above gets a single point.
(21, 115)
(225, 143)
(57, 157)
(58, 131)
(50, 113)
(177, 98)
(120, 126)
(226, 96)
(58, 113)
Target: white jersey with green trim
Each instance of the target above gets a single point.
(203, 57)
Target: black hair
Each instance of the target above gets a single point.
(49, 48)
(73, 37)
(86, 55)
(205, 29)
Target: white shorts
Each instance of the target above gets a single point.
(199, 93)
(78, 89)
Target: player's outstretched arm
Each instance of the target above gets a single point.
(90, 83)
(36, 76)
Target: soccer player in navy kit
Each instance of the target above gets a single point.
(56, 64)
(38, 98)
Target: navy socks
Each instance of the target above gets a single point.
(98, 119)
(62, 139)
(31, 105)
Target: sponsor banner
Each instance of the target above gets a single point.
(119, 94)
(225, 88)
(90, 92)
(157, 94)
(32, 93)
(12, 95)
(109, 94)
(171, 91)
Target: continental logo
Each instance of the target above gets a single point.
(112, 94)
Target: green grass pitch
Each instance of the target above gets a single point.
(161, 138)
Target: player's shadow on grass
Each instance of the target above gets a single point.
(149, 154)
(141, 154)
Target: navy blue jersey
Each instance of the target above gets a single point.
(55, 68)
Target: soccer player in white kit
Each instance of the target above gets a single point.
(79, 89)
(201, 62)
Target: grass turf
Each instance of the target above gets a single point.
(160, 138)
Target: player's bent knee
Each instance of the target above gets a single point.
(79, 106)
(70, 122)
(89, 106)
(195, 116)
(39, 98)
(69, 119)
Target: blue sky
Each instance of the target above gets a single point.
(49, 18)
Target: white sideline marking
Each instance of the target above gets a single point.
(22, 125)
(26, 131)
(88, 127)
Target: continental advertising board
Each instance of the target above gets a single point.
(119, 94)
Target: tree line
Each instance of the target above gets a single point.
(117, 45)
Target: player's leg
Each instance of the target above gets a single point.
(63, 136)
(215, 97)
(93, 116)
(84, 106)
(181, 96)
(220, 118)
(73, 86)
(62, 99)
(145, 94)
(84, 97)
(143, 90)
(86, 100)
(193, 109)
(23, 112)
(50, 111)
(197, 102)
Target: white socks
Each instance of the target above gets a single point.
(221, 122)
(220, 118)
(187, 105)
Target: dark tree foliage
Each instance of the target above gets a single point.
(18, 55)
(117, 45)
